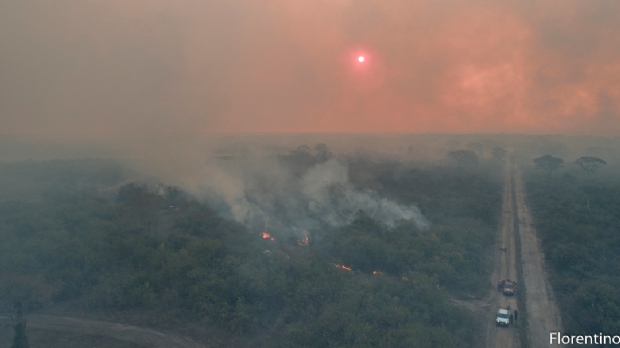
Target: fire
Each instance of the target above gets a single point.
(343, 267)
(304, 241)
(377, 273)
(267, 236)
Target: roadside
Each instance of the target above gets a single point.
(543, 315)
(91, 330)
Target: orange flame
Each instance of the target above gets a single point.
(304, 241)
(267, 236)
(377, 273)
(343, 267)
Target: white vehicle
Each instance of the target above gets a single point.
(503, 317)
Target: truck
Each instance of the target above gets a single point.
(507, 286)
(503, 317)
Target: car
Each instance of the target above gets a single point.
(503, 317)
(507, 286)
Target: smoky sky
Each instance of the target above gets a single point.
(126, 69)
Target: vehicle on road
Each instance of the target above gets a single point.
(503, 317)
(507, 287)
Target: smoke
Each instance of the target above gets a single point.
(332, 197)
(295, 194)
(125, 71)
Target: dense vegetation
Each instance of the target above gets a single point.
(578, 222)
(161, 250)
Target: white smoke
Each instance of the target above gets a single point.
(262, 191)
(331, 196)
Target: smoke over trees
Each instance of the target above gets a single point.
(201, 257)
(298, 192)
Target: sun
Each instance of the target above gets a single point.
(361, 59)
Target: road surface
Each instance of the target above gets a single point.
(543, 315)
(541, 312)
(505, 267)
(124, 333)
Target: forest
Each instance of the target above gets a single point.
(577, 218)
(85, 240)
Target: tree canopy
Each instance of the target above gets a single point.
(590, 164)
(464, 157)
(477, 148)
(579, 233)
(548, 163)
(499, 153)
(362, 284)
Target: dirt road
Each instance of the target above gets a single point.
(124, 333)
(543, 315)
(505, 267)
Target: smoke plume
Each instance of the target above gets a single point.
(296, 197)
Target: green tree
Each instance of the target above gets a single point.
(590, 163)
(301, 150)
(476, 147)
(322, 152)
(548, 163)
(145, 208)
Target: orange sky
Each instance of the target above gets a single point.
(127, 68)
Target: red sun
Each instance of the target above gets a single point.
(361, 59)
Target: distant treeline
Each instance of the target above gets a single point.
(164, 251)
(30, 179)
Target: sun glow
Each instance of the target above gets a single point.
(361, 59)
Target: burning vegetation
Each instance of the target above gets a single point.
(248, 285)
(266, 235)
(304, 241)
(343, 267)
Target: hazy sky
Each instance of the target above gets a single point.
(119, 69)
